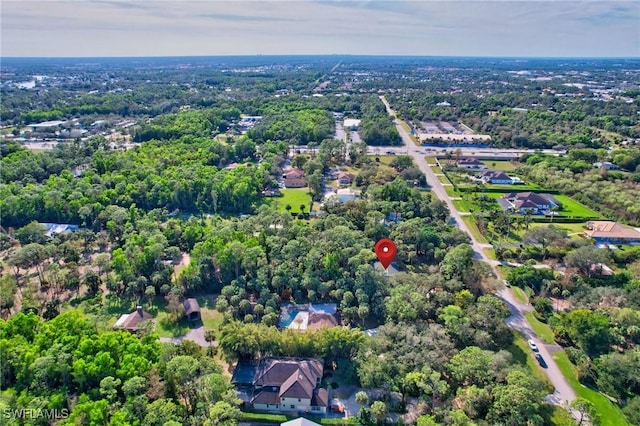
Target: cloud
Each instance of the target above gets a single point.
(478, 28)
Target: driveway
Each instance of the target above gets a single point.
(195, 335)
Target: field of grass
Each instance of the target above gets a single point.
(211, 318)
(451, 191)
(516, 188)
(500, 165)
(491, 253)
(610, 414)
(474, 229)
(461, 205)
(571, 207)
(386, 159)
(443, 179)
(519, 295)
(540, 328)
(167, 328)
(294, 197)
(561, 417)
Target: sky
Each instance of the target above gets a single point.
(92, 28)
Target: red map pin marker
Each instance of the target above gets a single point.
(385, 250)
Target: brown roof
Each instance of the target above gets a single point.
(266, 396)
(293, 172)
(345, 175)
(320, 398)
(296, 378)
(606, 229)
(295, 182)
(135, 318)
(191, 305)
(321, 320)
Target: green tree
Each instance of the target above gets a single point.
(586, 410)
(379, 410)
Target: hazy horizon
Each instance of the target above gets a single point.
(508, 29)
(347, 55)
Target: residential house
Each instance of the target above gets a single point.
(289, 384)
(497, 177)
(300, 421)
(470, 163)
(271, 193)
(607, 232)
(345, 178)
(333, 174)
(529, 202)
(131, 322)
(292, 174)
(295, 183)
(192, 309)
(606, 165)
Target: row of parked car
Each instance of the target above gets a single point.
(536, 351)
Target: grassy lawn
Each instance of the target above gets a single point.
(516, 188)
(211, 318)
(610, 414)
(540, 328)
(461, 205)
(561, 417)
(571, 228)
(166, 328)
(294, 197)
(522, 355)
(519, 295)
(474, 229)
(500, 165)
(443, 179)
(451, 191)
(571, 207)
(491, 253)
(386, 159)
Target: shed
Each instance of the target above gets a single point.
(192, 309)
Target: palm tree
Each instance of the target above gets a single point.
(553, 210)
(288, 208)
(302, 208)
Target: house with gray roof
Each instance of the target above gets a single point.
(529, 202)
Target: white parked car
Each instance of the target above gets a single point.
(533, 345)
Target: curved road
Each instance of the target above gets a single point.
(563, 392)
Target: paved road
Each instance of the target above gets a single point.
(411, 149)
(195, 335)
(517, 321)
